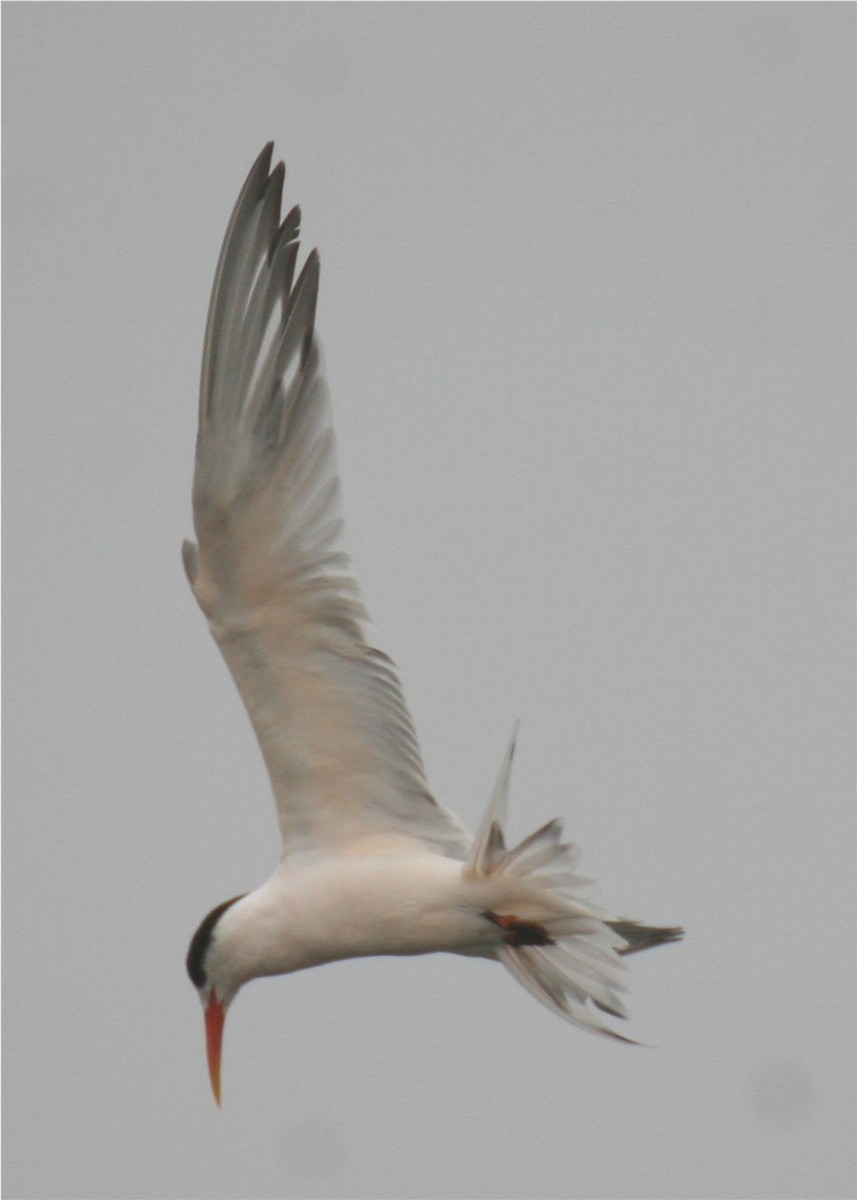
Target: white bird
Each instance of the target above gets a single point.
(371, 863)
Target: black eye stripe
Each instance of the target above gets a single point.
(201, 940)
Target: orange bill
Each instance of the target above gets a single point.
(214, 1018)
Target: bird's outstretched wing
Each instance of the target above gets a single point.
(268, 571)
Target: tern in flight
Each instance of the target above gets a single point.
(371, 863)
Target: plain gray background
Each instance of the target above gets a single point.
(586, 306)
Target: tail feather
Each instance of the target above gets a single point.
(559, 994)
(562, 948)
(549, 834)
(643, 937)
(489, 843)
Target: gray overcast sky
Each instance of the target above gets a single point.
(586, 306)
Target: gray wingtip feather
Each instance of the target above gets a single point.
(248, 197)
(190, 559)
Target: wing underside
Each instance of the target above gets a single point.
(269, 571)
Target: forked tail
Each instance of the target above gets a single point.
(564, 949)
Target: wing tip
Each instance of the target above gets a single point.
(265, 155)
(190, 558)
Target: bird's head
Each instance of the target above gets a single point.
(210, 971)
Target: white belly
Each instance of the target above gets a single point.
(349, 907)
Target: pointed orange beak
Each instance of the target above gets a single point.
(214, 1018)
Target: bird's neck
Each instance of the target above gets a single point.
(253, 939)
